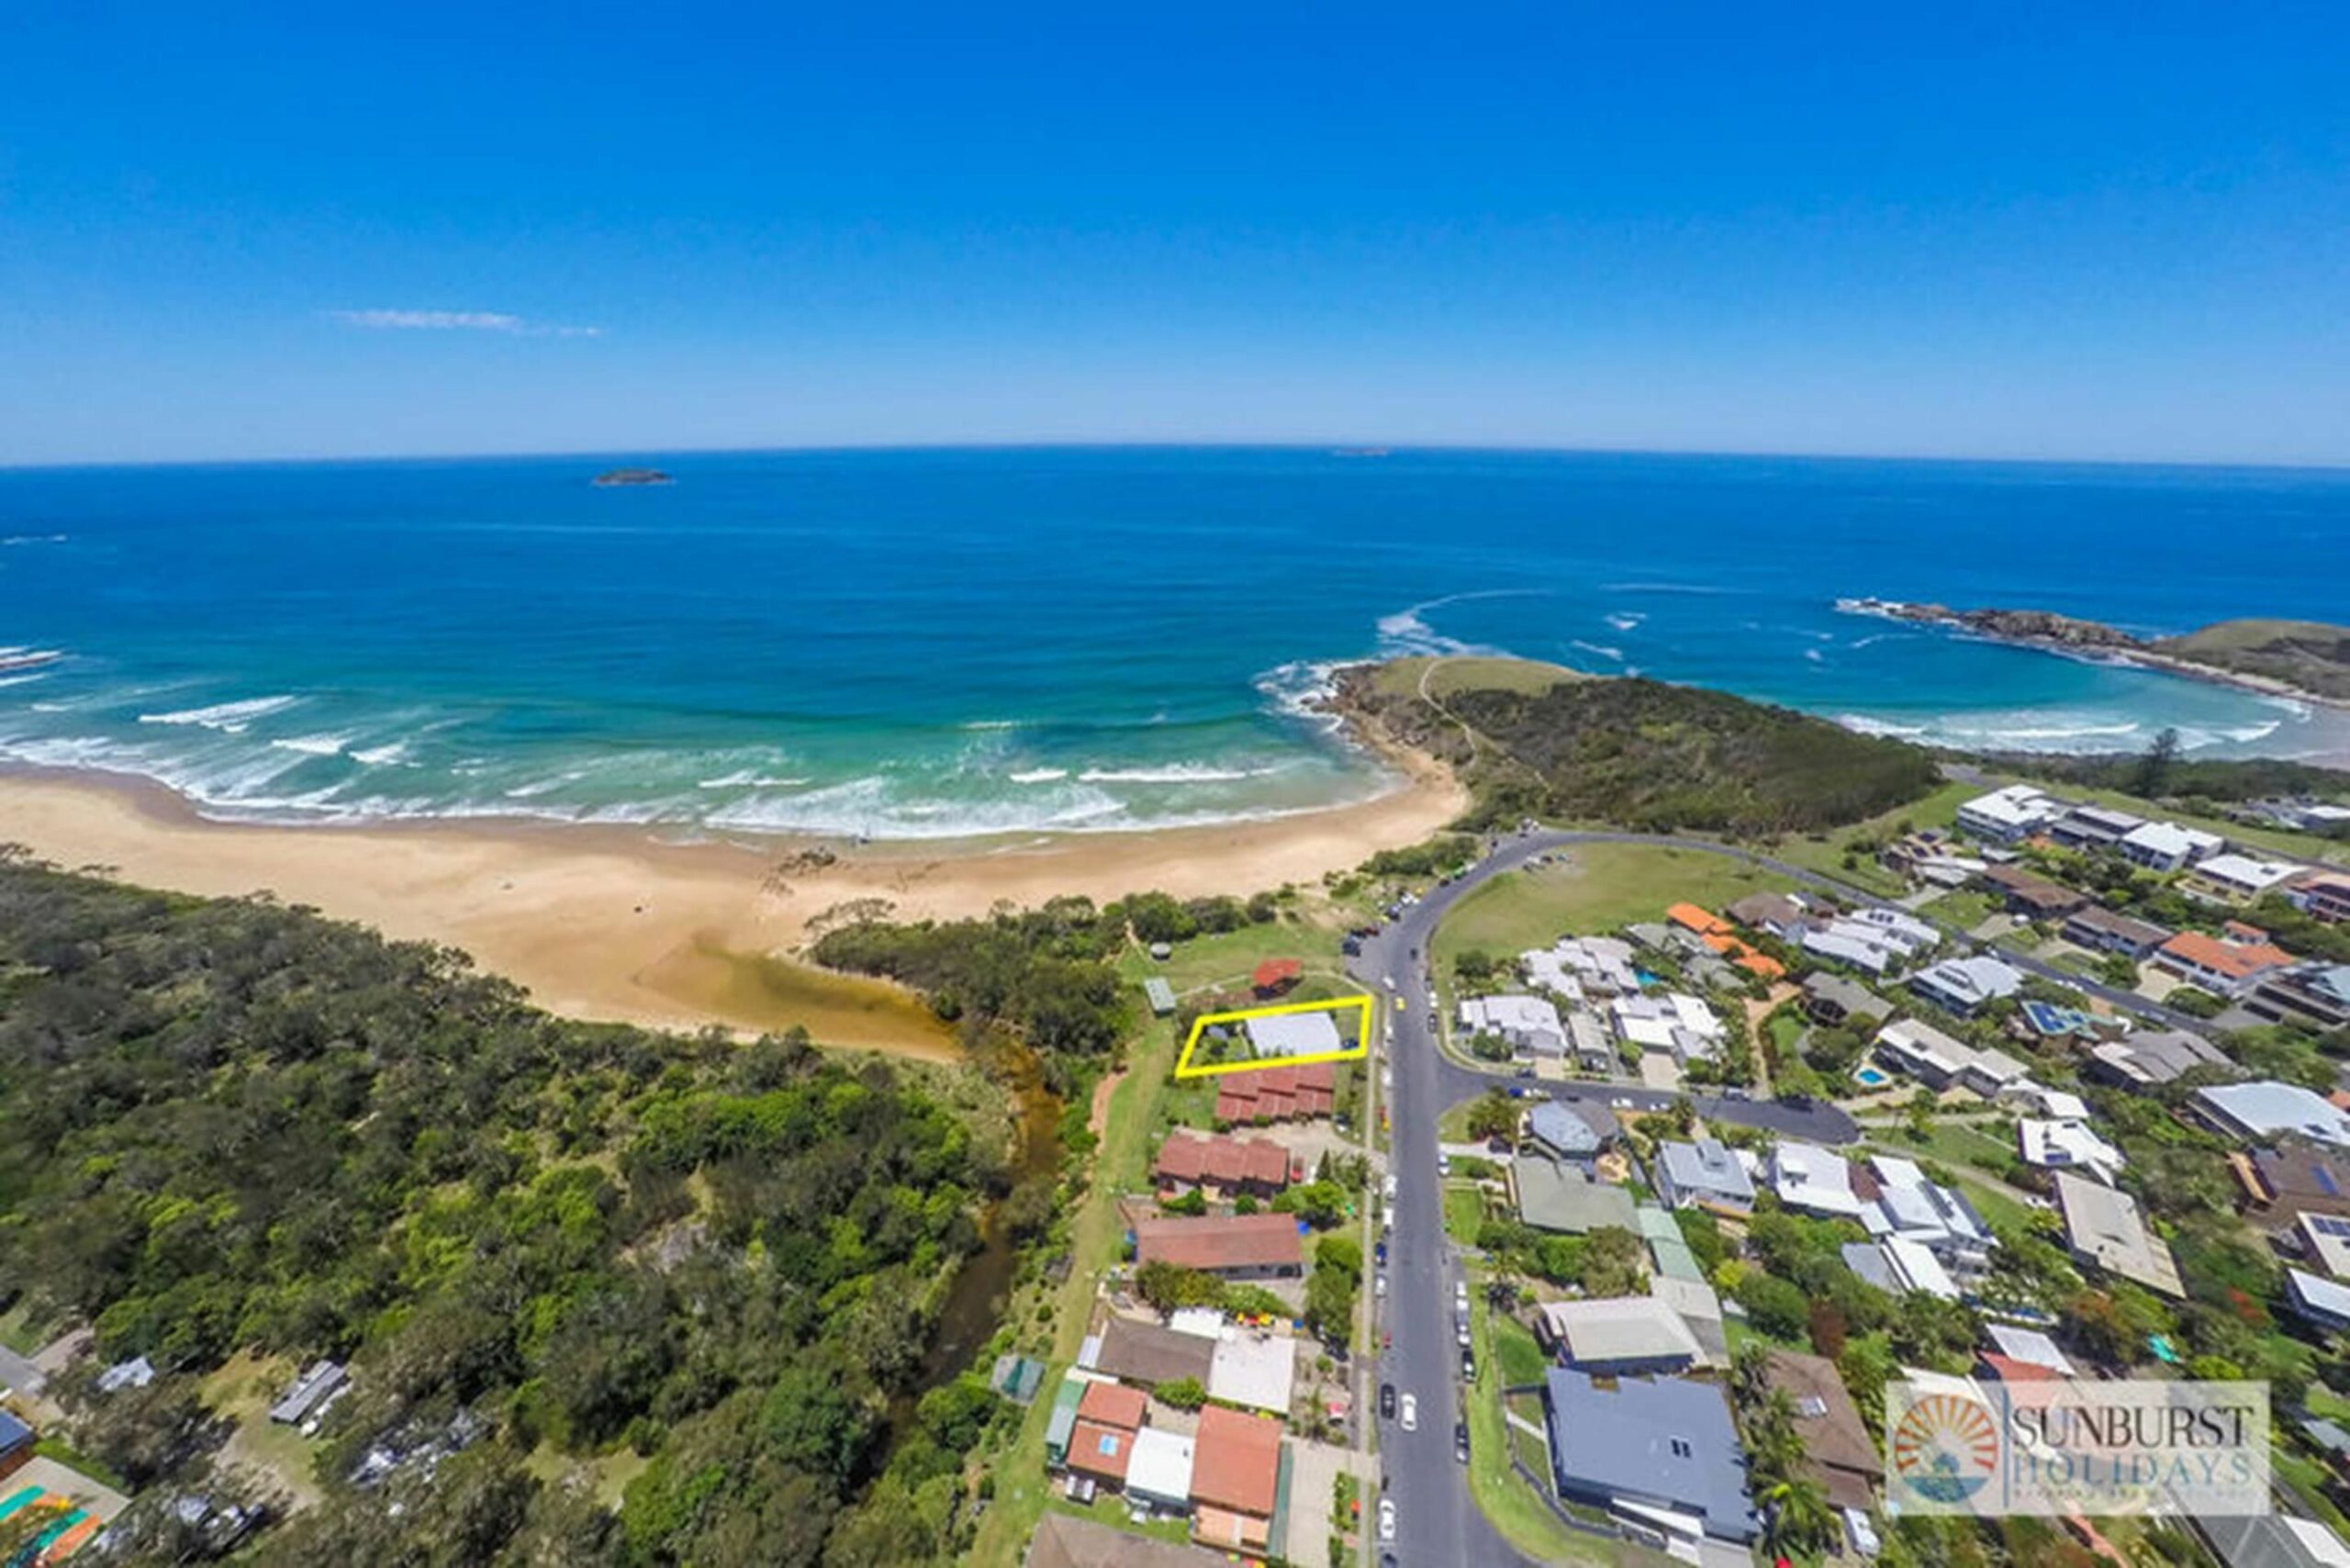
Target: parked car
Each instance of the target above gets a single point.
(1461, 1441)
(1411, 1413)
(1387, 1518)
(1387, 1402)
(1377, 1284)
(1468, 1366)
(1382, 1254)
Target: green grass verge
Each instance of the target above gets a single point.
(1519, 1359)
(1508, 1504)
(1464, 1212)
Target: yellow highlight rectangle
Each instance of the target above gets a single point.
(1360, 1049)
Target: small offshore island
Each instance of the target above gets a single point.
(2285, 658)
(614, 478)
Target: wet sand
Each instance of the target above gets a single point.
(612, 923)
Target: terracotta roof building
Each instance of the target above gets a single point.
(1276, 1094)
(2219, 966)
(1236, 1479)
(1114, 1404)
(1275, 975)
(1231, 1165)
(1233, 1245)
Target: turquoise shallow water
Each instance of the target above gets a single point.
(935, 643)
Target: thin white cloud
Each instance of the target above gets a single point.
(457, 322)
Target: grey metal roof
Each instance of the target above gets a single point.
(1706, 1167)
(1662, 1440)
(1563, 1129)
(1294, 1035)
(1554, 1197)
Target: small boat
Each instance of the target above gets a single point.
(28, 658)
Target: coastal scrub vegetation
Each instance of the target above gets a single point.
(1648, 756)
(228, 1127)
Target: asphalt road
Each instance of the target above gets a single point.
(1437, 1520)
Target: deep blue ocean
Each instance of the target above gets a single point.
(941, 642)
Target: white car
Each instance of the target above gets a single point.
(1389, 1185)
(1411, 1416)
(1460, 1331)
(1387, 1518)
(1379, 1286)
(1460, 1295)
(1860, 1533)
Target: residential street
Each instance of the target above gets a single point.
(1436, 1519)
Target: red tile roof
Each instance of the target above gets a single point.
(1274, 973)
(1276, 1094)
(1705, 923)
(1097, 1449)
(1236, 1461)
(2007, 1369)
(1227, 1161)
(2235, 959)
(1220, 1242)
(1113, 1405)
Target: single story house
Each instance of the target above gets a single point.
(2103, 1226)
(1254, 1369)
(1222, 1165)
(1282, 1035)
(1618, 1336)
(1231, 1247)
(1159, 1476)
(1558, 1197)
(2152, 1057)
(1659, 1453)
(1773, 915)
(2067, 1146)
(1236, 1463)
(1147, 1353)
(1276, 1094)
(320, 1386)
(2296, 1178)
(1841, 1447)
(1831, 999)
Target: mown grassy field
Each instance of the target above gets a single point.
(1402, 677)
(1597, 888)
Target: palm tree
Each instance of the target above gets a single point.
(1798, 1519)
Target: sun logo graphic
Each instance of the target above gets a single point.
(1945, 1448)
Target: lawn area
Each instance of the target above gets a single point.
(1464, 1212)
(1521, 1360)
(1825, 854)
(1965, 909)
(1523, 1518)
(1401, 678)
(1597, 888)
(1987, 1193)
(1222, 962)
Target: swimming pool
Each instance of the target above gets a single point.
(1872, 1077)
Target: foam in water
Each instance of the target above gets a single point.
(231, 717)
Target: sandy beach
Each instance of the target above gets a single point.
(609, 923)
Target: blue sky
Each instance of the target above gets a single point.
(272, 231)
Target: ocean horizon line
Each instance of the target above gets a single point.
(1353, 449)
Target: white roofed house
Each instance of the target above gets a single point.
(1528, 1023)
(1965, 986)
(2009, 816)
(1541, 968)
(1675, 1022)
(1878, 941)
(2166, 847)
(2238, 879)
(1601, 966)
(2260, 1111)
(2103, 1226)
(1912, 1208)
(1294, 1035)
(2093, 827)
(1940, 1061)
(2067, 1146)
(1813, 1180)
